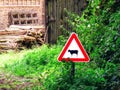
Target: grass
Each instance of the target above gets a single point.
(40, 67)
(32, 61)
(34, 65)
(9, 58)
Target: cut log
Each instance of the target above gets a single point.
(29, 38)
(41, 41)
(15, 32)
(25, 27)
(20, 39)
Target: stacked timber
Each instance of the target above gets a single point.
(18, 37)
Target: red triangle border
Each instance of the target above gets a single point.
(74, 36)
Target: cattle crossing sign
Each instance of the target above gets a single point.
(73, 50)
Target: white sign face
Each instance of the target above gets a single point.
(73, 51)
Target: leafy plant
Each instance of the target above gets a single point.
(99, 31)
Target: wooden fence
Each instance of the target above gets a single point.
(55, 15)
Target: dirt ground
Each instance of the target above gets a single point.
(10, 82)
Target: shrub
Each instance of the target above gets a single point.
(99, 31)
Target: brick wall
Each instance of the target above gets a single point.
(20, 2)
(7, 6)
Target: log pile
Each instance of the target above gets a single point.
(17, 38)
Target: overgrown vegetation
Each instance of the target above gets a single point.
(99, 31)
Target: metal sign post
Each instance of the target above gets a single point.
(72, 72)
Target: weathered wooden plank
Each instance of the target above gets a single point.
(15, 32)
(17, 38)
(28, 27)
(55, 8)
(58, 20)
(54, 15)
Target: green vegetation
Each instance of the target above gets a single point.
(34, 61)
(99, 31)
(41, 63)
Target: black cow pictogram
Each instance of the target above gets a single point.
(73, 52)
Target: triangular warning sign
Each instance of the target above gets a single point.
(73, 51)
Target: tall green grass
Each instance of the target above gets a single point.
(10, 58)
(34, 61)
